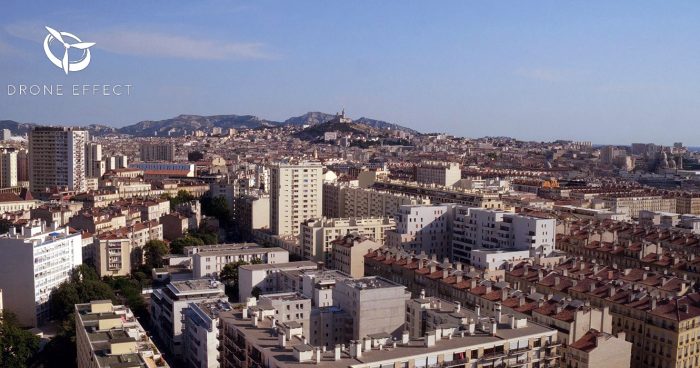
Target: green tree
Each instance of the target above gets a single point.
(208, 237)
(155, 250)
(217, 207)
(181, 197)
(5, 226)
(178, 245)
(17, 346)
(229, 275)
(256, 292)
(195, 156)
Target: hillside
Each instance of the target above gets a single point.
(186, 124)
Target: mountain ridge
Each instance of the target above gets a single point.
(184, 124)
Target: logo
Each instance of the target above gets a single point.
(64, 63)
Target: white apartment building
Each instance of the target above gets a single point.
(491, 230)
(201, 332)
(95, 166)
(8, 168)
(169, 304)
(57, 158)
(34, 262)
(426, 228)
(268, 277)
(210, 260)
(109, 336)
(440, 173)
(316, 235)
(295, 196)
(377, 305)
(343, 200)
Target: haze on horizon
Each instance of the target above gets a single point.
(609, 72)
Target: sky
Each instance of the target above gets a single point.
(611, 72)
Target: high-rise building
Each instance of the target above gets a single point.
(157, 152)
(6, 134)
(94, 164)
(57, 158)
(22, 165)
(8, 168)
(36, 261)
(295, 196)
(317, 235)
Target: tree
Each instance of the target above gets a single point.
(17, 346)
(229, 275)
(195, 156)
(5, 226)
(217, 207)
(178, 245)
(208, 237)
(256, 292)
(155, 250)
(182, 196)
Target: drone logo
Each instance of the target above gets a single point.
(64, 63)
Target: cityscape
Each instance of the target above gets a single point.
(346, 238)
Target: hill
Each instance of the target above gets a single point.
(186, 124)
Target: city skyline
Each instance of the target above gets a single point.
(594, 71)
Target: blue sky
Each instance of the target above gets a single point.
(605, 71)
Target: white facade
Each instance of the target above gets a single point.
(168, 306)
(423, 228)
(36, 261)
(201, 333)
(478, 228)
(440, 173)
(210, 262)
(317, 235)
(266, 277)
(8, 168)
(295, 196)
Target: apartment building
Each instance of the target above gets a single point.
(316, 235)
(168, 306)
(251, 213)
(262, 341)
(95, 165)
(349, 252)
(57, 158)
(118, 251)
(210, 260)
(632, 203)
(10, 202)
(149, 152)
(342, 200)
(489, 231)
(599, 349)
(108, 336)
(8, 168)
(295, 196)
(445, 174)
(201, 333)
(376, 304)
(438, 195)
(270, 278)
(423, 228)
(35, 261)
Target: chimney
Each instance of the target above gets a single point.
(422, 293)
(255, 319)
(653, 303)
(336, 352)
(282, 339)
(472, 327)
(367, 344)
(458, 307)
(245, 313)
(521, 301)
(317, 352)
(355, 349)
(557, 281)
(429, 339)
(458, 278)
(611, 291)
(494, 326)
(498, 312)
(477, 309)
(404, 337)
